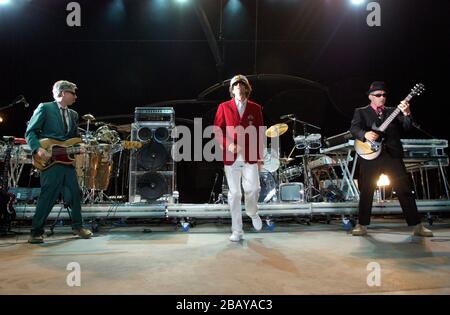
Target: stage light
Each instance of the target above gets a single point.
(234, 7)
(357, 2)
(181, 1)
(383, 181)
(1, 118)
(4, 2)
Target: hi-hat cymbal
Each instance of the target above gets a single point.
(286, 160)
(88, 117)
(276, 130)
(123, 128)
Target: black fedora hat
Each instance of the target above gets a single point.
(377, 86)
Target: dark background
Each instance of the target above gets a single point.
(130, 53)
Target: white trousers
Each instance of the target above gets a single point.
(250, 182)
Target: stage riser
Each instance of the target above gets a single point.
(221, 210)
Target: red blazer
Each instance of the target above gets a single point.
(227, 117)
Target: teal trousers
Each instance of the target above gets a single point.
(54, 181)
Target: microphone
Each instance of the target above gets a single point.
(287, 116)
(21, 99)
(25, 103)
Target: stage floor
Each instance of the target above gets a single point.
(292, 259)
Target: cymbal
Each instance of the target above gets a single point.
(88, 117)
(276, 130)
(123, 128)
(286, 160)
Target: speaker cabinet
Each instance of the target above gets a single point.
(152, 169)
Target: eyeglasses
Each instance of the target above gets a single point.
(379, 95)
(71, 92)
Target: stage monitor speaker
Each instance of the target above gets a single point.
(292, 192)
(152, 169)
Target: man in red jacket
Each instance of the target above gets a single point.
(238, 132)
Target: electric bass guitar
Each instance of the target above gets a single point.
(63, 152)
(370, 150)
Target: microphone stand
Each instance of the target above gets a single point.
(417, 126)
(9, 105)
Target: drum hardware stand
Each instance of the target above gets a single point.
(212, 195)
(63, 206)
(101, 197)
(308, 180)
(89, 195)
(117, 173)
(222, 198)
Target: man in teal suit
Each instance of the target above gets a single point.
(56, 121)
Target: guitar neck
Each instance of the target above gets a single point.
(388, 120)
(394, 114)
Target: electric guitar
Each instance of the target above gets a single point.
(63, 152)
(370, 150)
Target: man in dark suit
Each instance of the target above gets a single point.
(389, 162)
(237, 122)
(56, 121)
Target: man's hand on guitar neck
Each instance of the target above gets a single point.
(43, 154)
(371, 136)
(404, 107)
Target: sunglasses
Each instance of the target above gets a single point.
(379, 95)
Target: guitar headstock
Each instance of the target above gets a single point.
(418, 89)
(131, 144)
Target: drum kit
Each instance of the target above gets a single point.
(278, 171)
(95, 167)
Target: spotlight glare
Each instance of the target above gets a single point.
(5, 1)
(357, 2)
(383, 181)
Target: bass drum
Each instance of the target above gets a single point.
(268, 185)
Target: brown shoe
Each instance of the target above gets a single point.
(359, 230)
(36, 239)
(420, 230)
(83, 233)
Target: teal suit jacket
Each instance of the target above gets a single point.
(47, 122)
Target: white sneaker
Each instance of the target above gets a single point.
(257, 222)
(236, 236)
